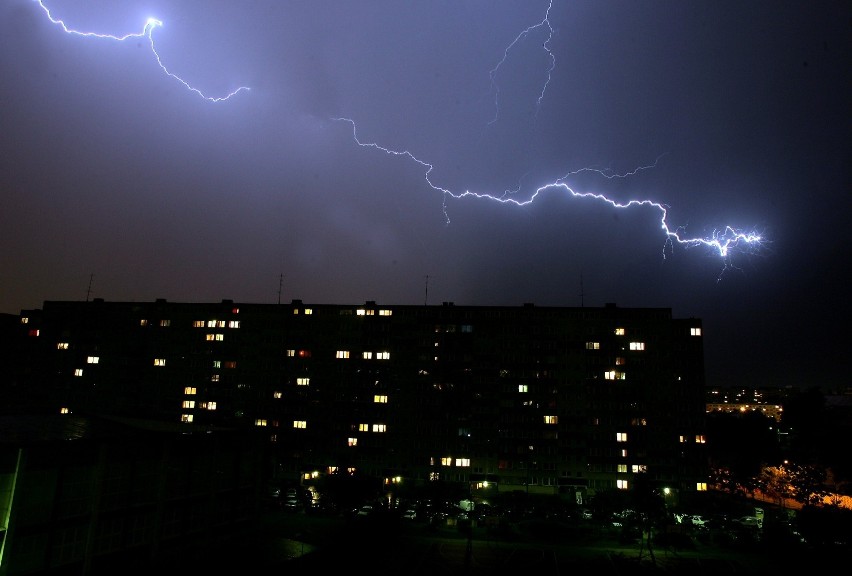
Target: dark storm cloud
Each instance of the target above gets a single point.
(109, 167)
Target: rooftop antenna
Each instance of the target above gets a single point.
(582, 294)
(426, 296)
(89, 289)
(280, 282)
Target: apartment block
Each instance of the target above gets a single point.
(544, 400)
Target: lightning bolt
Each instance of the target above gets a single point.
(147, 32)
(545, 22)
(722, 241)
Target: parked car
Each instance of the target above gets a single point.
(697, 520)
(752, 521)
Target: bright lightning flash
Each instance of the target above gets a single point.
(721, 241)
(147, 32)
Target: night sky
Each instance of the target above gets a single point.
(119, 182)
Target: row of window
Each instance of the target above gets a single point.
(635, 346)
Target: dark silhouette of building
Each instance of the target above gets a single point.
(543, 400)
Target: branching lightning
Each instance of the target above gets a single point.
(722, 241)
(545, 22)
(147, 32)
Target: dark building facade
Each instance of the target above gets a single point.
(547, 400)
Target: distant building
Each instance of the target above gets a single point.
(768, 402)
(546, 400)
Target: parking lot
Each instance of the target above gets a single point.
(389, 542)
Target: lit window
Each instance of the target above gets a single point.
(695, 331)
(366, 355)
(62, 345)
(220, 323)
(385, 312)
(593, 345)
(25, 320)
(78, 371)
(64, 410)
(363, 427)
(621, 468)
(699, 439)
(463, 462)
(198, 324)
(620, 361)
(380, 399)
(165, 323)
(188, 404)
(624, 453)
(446, 461)
(277, 394)
(215, 337)
(159, 361)
(233, 323)
(303, 381)
(93, 359)
(211, 323)
(217, 363)
(380, 427)
(214, 378)
(291, 353)
(260, 422)
(309, 311)
(342, 354)
(637, 345)
(231, 364)
(211, 405)
(235, 310)
(551, 419)
(143, 322)
(621, 436)
(33, 332)
(619, 332)
(300, 424)
(187, 418)
(304, 353)
(701, 486)
(523, 388)
(189, 390)
(352, 441)
(639, 468)
(621, 484)
(615, 375)
(383, 355)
